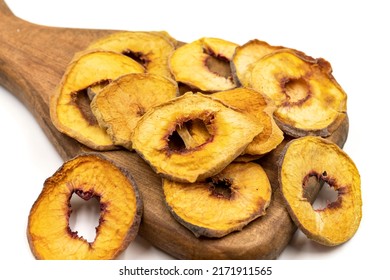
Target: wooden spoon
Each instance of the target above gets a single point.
(33, 59)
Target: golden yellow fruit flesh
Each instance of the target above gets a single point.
(246, 55)
(261, 109)
(219, 47)
(88, 176)
(85, 71)
(154, 137)
(308, 98)
(151, 49)
(222, 204)
(312, 156)
(190, 63)
(120, 105)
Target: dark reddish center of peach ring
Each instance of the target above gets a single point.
(218, 64)
(140, 57)
(297, 91)
(311, 185)
(86, 195)
(175, 143)
(220, 188)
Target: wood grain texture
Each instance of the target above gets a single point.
(33, 59)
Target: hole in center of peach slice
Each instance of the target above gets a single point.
(175, 142)
(189, 135)
(297, 91)
(321, 197)
(221, 188)
(140, 57)
(82, 99)
(327, 196)
(85, 216)
(219, 65)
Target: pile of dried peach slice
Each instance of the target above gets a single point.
(202, 115)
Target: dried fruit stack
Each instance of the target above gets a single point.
(203, 113)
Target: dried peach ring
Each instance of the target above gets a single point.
(120, 105)
(223, 203)
(70, 107)
(157, 141)
(199, 64)
(89, 175)
(309, 100)
(312, 156)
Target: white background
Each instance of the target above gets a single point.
(352, 35)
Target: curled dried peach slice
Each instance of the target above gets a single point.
(150, 49)
(204, 64)
(308, 157)
(223, 203)
(120, 105)
(245, 56)
(157, 140)
(261, 109)
(70, 109)
(309, 100)
(89, 175)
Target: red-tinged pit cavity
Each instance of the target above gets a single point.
(140, 57)
(297, 91)
(174, 138)
(218, 64)
(330, 195)
(84, 195)
(85, 215)
(220, 188)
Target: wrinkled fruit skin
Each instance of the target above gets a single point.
(222, 204)
(310, 156)
(88, 176)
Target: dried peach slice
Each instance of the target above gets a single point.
(246, 55)
(204, 64)
(156, 138)
(259, 107)
(89, 175)
(223, 203)
(151, 49)
(309, 100)
(312, 156)
(70, 106)
(167, 37)
(120, 105)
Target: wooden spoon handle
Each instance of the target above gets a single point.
(32, 61)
